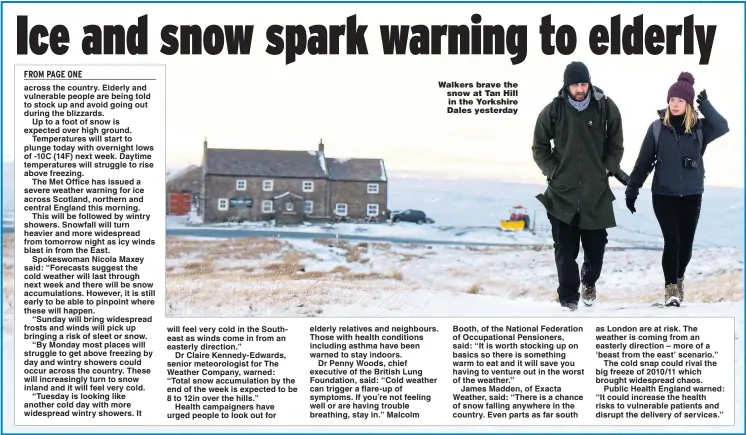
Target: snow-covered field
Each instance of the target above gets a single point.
(259, 276)
(470, 210)
(326, 277)
(262, 276)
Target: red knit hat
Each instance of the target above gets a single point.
(683, 88)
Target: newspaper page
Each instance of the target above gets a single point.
(364, 217)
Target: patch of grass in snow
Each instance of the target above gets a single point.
(474, 289)
(720, 286)
(281, 275)
(532, 291)
(290, 263)
(354, 252)
(341, 269)
(196, 269)
(247, 248)
(241, 297)
(254, 276)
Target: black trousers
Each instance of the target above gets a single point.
(678, 218)
(567, 241)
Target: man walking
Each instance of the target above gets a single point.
(586, 127)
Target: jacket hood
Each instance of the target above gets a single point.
(596, 92)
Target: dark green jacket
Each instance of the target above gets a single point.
(576, 167)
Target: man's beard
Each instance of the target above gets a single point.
(579, 96)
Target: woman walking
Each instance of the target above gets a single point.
(673, 149)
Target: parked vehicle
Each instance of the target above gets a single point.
(409, 215)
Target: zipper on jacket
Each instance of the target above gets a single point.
(681, 178)
(580, 177)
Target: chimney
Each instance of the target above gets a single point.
(204, 145)
(321, 146)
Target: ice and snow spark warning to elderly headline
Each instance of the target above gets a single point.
(89, 241)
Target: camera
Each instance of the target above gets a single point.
(689, 162)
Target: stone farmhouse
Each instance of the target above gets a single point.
(289, 187)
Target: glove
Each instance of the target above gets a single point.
(631, 204)
(702, 96)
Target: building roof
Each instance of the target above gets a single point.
(265, 163)
(371, 170)
(180, 173)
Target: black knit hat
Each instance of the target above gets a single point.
(576, 72)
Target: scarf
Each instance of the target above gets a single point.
(677, 122)
(581, 105)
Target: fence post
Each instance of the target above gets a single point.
(533, 224)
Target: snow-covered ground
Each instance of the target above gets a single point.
(320, 277)
(470, 210)
(259, 277)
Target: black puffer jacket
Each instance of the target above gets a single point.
(670, 176)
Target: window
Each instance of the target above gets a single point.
(289, 206)
(373, 188)
(240, 184)
(372, 209)
(341, 209)
(223, 204)
(308, 206)
(267, 206)
(308, 186)
(267, 185)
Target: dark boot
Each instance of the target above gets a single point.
(589, 295)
